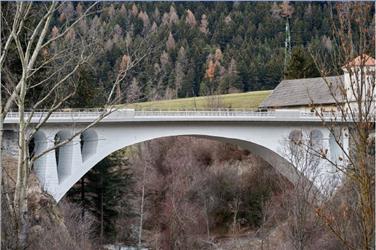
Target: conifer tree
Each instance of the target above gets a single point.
(102, 192)
(231, 83)
(301, 65)
(190, 19)
(170, 44)
(180, 70)
(204, 24)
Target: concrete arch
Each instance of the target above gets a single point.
(272, 157)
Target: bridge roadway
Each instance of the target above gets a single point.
(129, 115)
(266, 134)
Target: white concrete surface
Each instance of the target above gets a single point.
(264, 134)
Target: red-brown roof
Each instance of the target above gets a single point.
(362, 60)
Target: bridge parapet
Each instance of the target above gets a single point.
(160, 115)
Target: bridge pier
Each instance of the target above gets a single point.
(46, 166)
(76, 154)
(57, 165)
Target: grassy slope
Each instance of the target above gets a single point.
(248, 100)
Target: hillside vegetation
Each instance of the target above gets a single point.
(193, 49)
(183, 192)
(248, 100)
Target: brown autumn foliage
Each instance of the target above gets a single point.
(201, 190)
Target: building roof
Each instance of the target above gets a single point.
(302, 92)
(362, 60)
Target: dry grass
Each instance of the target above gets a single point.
(248, 100)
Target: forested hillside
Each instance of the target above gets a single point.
(183, 192)
(193, 49)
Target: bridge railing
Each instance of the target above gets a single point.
(131, 113)
(58, 114)
(200, 113)
(233, 112)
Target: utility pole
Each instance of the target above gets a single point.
(286, 12)
(287, 44)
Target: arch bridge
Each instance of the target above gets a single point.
(265, 134)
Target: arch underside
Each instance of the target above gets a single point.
(273, 158)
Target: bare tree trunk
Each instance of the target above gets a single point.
(1, 168)
(207, 220)
(83, 209)
(142, 207)
(83, 197)
(235, 217)
(101, 209)
(1, 135)
(20, 198)
(118, 93)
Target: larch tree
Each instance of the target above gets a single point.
(180, 69)
(173, 16)
(204, 24)
(170, 44)
(145, 20)
(123, 10)
(230, 82)
(156, 14)
(134, 10)
(190, 19)
(134, 91)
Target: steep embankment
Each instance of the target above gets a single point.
(47, 221)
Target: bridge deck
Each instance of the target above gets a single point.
(129, 115)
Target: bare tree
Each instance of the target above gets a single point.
(35, 51)
(353, 42)
(304, 197)
(142, 203)
(79, 231)
(49, 58)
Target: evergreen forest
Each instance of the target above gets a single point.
(195, 49)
